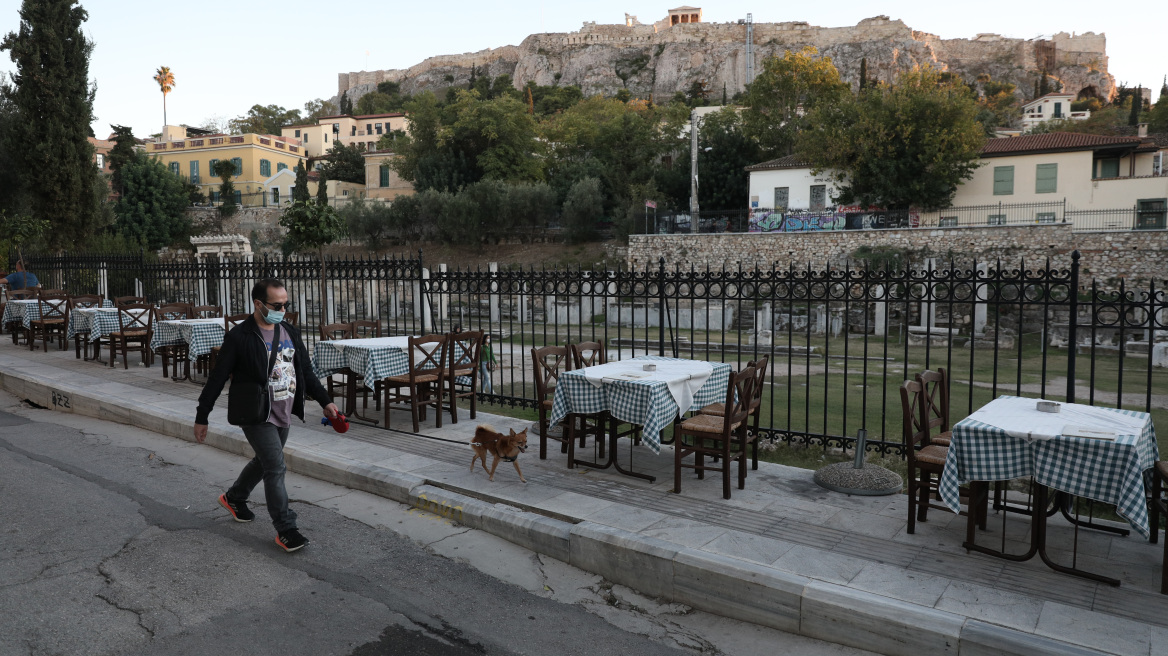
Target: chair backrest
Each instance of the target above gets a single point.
(549, 362)
(123, 300)
(172, 312)
(53, 306)
(86, 301)
(364, 328)
(760, 366)
(207, 312)
(54, 292)
(22, 294)
(336, 331)
(910, 409)
(291, 317)
(740, 395)
(427, 354)
(934, 400)
(587, 354)
(135, 316)
(233, 320)
(465, 348)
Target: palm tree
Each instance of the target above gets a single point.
(165, 80)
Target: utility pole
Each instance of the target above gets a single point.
(693, 171)
(749, 48)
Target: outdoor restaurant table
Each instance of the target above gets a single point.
(24, 310)
(373, 358)
(98, 322)
(200, 335)
(651, 399)
(1085, 451)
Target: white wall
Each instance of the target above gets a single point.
(798, 183)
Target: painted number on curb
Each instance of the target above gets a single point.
(442, 509)
(61, 400)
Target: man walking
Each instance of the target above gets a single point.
(270, 372)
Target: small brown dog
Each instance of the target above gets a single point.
(503, 447)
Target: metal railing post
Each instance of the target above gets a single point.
(1072, 332)
(661, 306)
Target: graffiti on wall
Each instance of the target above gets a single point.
(840, 218)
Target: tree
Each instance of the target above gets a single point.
(1137, 105)
(225, 170)
(345, 163)
(997, 104)
(322, 187)
(725, 151)
(346, 104)
(262, 119)
(312, 226)
(376, 102)
(21, 229)
(1157, 118)
(121, 154)
(906, 145)
(863, 73)
(314, 110)
(498, 133)
(300, 189)
(165, 79)
(52, 99)
(583, 210)
(781, 96)
(152, 208)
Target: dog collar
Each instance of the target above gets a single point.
(511, 459)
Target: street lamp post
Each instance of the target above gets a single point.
(693, 172)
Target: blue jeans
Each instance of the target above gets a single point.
(267, 441)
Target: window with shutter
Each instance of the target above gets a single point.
(194, 171)
(275, 195)
(280, 166)
(1109, 168)
(782, 194)
(384, 176)
(1046, 179)
(211, 167)
(174, 168)
(1003, 180)
(238, 197)
(265, 168)
(238, 162)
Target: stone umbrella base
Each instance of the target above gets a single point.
(866, 480)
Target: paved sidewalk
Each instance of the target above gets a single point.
(783, 552)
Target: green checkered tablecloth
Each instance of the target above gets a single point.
(201, 335)
(1111, 471)
(375, 359)
(24, 311)
(98, 322)
(647, 403)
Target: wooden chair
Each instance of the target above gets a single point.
(135, 326)
(719, 409)
(207, 312)
(53, 322)
(926, 461)
(337, 388)
(81, 337)
(119, 301)
(547, 364)
(229, 322)
(16, 328)
(174, 353)
(1158, 506)
(935, 387)
(291, 317)
(465, 351)
(421, 386)
(365, 329)
(590, 354)
(714, 436)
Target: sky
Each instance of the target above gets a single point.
(228, 56)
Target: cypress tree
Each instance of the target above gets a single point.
(863, 73)
(300, 190)
(1137, 104)
(1043, 84)
(322, 189)
(1164, 89)
(121, 154)
(53, 101)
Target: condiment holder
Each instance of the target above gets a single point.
(649, 367)
(1048, 406)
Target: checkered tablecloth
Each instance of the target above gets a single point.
(374, 359)
(1111, 471)
(647, 403)
(98, 322)
(201, 335)
(25, 311)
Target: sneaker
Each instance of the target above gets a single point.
(238, 509)
(291, 540)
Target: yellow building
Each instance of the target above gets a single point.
(363, 131)
(382, 182)
(257, 157)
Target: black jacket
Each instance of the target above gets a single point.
(244, 359)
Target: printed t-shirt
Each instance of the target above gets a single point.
(282, 380)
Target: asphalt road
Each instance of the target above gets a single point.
(112, 542)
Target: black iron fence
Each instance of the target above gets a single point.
(840, 341)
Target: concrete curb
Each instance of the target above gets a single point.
(710, 582)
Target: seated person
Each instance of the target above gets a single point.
(21, 279)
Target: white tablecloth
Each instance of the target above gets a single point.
(684, 378)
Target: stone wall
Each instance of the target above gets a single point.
(1106, 256)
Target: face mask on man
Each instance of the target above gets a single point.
(272, 316)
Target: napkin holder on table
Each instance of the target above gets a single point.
(1048, 406)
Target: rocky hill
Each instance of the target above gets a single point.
(658, 60)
